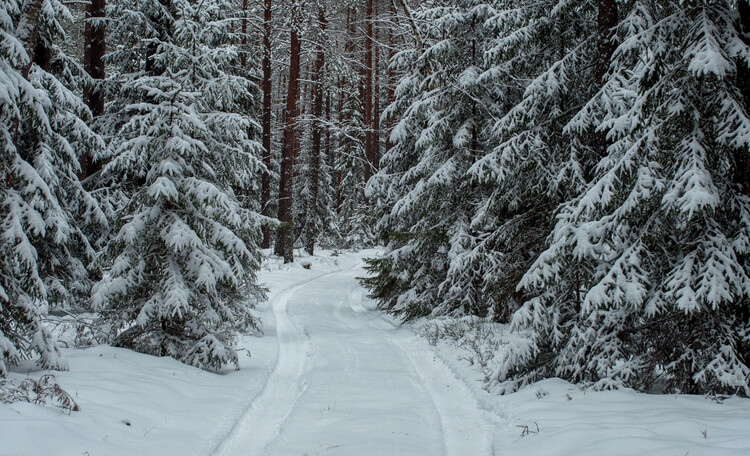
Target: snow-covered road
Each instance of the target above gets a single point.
(348, 381)
(332, 376)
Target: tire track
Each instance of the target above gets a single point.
(261, 421)
(466, 429)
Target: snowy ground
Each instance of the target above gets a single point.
(331, 376)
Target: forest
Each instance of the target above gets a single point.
(576, 169)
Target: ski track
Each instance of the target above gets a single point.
(448, 408)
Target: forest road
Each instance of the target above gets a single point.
(348, 381)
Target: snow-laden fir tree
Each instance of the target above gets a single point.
(431, 201)
(180, 272)
(541, 61)
(45, 210)
(645, 282)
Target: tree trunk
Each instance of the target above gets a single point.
(328, 122)
(342, 121)
(265, 184)
(606, 21)
(243, 32)
(375, 105)
(93, 63)
(28, 31)
(390, 82)
(367, 69)
(742, 156)
(163, 26)
(284, 241)
(317, 93)
(42, 55)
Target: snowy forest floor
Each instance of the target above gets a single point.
(333, 376)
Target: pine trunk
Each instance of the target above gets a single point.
(28, 30)
(367, 70)
(93, 60)
(342, 120)
(742, 156)
(606, 21)
(42, 55)
(328, 122)
(390, 82)
(375, 148)
(317, 93)
(265, 184)
(93, 63)
(284, 242)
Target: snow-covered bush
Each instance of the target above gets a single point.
(477, 340)
(44, 391)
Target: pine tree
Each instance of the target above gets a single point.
(180, 272)
(313, 219)
(265, 199)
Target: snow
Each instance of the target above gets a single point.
(564, 419)
(333, 376)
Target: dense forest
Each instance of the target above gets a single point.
(579, 169)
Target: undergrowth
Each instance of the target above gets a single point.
(44, 391)
(477, 340)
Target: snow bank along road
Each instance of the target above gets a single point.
(347, 381)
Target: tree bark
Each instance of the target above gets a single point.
(367, 69)
(375, 148)
(93, 60)
(243, 32)
(317, 112)
(412, 23)
(43, 55)
(390, 82)
(284, 241)
(28, 34)
(28, 31)
(93, 64)
(265, 184)
(328, 122)
(606, 21)
(742, 156)
(342, 141)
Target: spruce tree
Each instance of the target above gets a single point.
(432, 203)
(180, 272)
(644, 282)
(45, 212)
